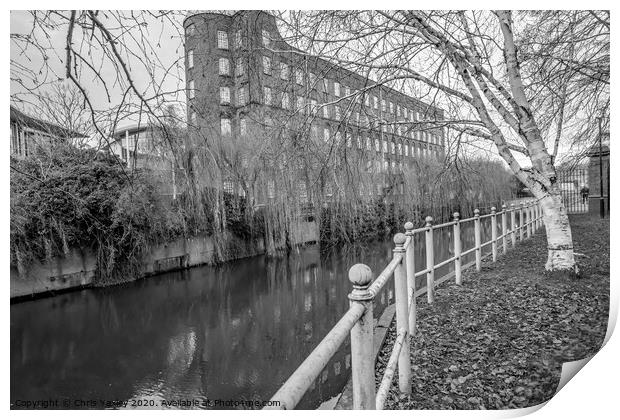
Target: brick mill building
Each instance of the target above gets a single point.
(243, 78)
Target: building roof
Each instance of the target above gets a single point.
(19, 117)
(131, 129)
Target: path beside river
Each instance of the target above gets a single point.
(499, 340)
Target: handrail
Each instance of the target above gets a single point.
(298, 383)
(358, 320)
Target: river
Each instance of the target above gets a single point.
(232, 332)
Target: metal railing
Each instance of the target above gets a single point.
(358, 320)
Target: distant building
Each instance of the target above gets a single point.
(29, 133)
(144, 146)
(243, 78)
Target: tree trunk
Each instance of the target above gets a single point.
(559, 237)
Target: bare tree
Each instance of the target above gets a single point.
(470, 62)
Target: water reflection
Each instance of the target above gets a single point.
(232, 332)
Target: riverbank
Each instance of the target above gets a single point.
(76, 270)
(499, 340)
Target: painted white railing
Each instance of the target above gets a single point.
(358, 320)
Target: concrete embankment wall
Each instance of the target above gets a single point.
(77, 268)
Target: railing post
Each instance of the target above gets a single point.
(457, 249)
(477, 239)
(430, 261)
(410, 257)
(537, 212)
(400, 290)
(362, 357)
(513, 224)
(494, 233)
(504, 230)
(528, 219)
(521, 224)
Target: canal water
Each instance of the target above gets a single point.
(233, 332)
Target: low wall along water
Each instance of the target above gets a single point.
(77, 268)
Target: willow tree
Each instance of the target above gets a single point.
(471, 62)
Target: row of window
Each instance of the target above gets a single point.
(370, 101)
(222, 37)
(302, 106)
(395, 148)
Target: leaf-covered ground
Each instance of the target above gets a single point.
(499, 340)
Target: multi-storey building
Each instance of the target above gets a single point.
(29, 133)
(243, 77)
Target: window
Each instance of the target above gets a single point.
(398, 110)
(241, 96)
(239, 69)
(347, 91)
(190, 30)
(283, 71)
(190, 89)
(224, 67)
(224, 95)
(225, 127)
(243, 127)
(359, 142)
(325, 111)
(238, 42)
(326, 134)
(383, 105)
(338, 138)
(393, 147)
(406, 149)
(326, 85)
(375, 102)
(338, 115)
(366, 100)
(222, 40)
(266, 65)
(192, 118)
(314, 105)
(299, 77)
(347, 136)
(337, 89)
(385, 146)
(285, 101)
(368, 143)
(266, 38)
(312, 80)
(391, 107)
(405, 112)
(271, 189)
(300, 103)
(267, 95)
(190, 59)
(377, 145)
(399, 148)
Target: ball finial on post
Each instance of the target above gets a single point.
(476, 213)
(399, 240)
(493, 209)
(428, 220)
(360, 275)
(408, 226)
(456, 216)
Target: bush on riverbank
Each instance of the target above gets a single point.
(79, 198)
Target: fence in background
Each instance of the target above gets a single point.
(358, 320)
(574, 188)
